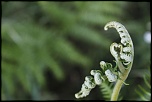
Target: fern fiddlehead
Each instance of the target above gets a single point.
(123, 54)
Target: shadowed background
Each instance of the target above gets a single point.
(49, 47)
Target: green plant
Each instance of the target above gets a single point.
(123, 54)
(144, 90)
(42, 41)
(49, 45)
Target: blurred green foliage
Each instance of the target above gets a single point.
(144, 91)
(49, 47)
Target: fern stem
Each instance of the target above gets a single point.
(119, 84)
(116, 90)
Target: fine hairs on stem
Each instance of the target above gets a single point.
(123, 54)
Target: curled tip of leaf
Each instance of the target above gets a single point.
(105, 28)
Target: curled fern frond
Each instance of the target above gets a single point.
(123, 54)
(124, 51)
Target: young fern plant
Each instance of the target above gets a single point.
(123, 54)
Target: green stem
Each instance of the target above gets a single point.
(119, 84)
(116, 90)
